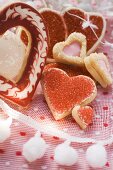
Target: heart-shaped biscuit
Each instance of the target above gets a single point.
(56, 29)
(83, 115)
(98, 67)
(21, 14)
(72, 50)
(78, 20)
(62, 92)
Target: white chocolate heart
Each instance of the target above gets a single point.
(12, 52)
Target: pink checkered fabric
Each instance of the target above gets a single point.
(11, 151)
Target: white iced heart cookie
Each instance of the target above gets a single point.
(98, 67)
(72, 51)
(12, 53)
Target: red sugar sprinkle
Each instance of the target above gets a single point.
(86, 114)
(18, 153)
(105, 124)
(23, 133)
(64, 92)
(55, 137)
(105, 108)
(2, 151)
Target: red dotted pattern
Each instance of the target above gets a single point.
(105, 108)
(2, 151)
(18, 153)
(107, 164)
(55, 137)
(23, 133)
(105, 124)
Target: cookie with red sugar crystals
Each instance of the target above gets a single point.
(83, 115)
(98, 66)
(56, 29)
(62, 92)
(69, 69)
(86, 23)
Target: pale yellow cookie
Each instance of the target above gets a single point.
(98, 67)
(72, 51)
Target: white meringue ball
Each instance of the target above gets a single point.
(34, 149)
(96, 156)
(65, 155)
(5, 130)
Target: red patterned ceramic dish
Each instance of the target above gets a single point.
(20, 14)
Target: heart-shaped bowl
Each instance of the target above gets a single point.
(21, 14)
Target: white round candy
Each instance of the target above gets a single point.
(5, 133)
(96, 156)
(5, 130)
(34, 149)
(65, 155)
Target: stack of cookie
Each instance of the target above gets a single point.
(73, 67)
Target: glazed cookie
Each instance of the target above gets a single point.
(56, 29)
(86, 23)
(21, 14)
(83, 115)
(62, 92)
(72, 51)
(98, 67)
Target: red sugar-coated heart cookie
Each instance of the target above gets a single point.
(62, 92)
(83, 115)
(56, 29)
(70, 70)
(21, 14)
(78, 20)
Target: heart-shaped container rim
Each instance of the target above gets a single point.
(21, 14)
